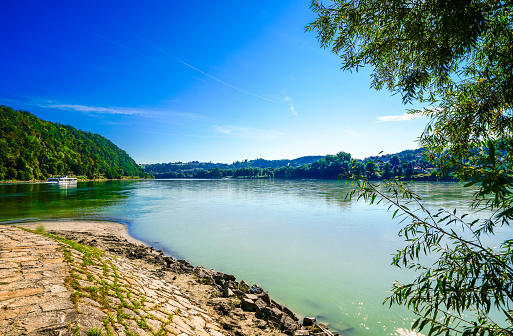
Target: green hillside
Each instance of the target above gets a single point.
(34, 149)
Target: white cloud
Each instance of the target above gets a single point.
(402, 117)
(247, 132)
(351, 132)
(95, 109)
(292, 108)
(98, 110)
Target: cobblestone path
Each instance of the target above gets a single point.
(51, 286)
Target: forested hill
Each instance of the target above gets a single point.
(190, 169)
(31, 148)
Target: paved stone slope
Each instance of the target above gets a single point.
(49, 286)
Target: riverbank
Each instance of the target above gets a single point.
(79, 180)
(239, 309)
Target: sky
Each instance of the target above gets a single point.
(218, 81)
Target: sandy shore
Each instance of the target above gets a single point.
(95, 228)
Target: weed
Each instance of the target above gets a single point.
(40, 229)
(76, 296)
(93, 292)
(75, 331)
(94, 332)
(142, 323)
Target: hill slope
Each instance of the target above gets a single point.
(31, 148)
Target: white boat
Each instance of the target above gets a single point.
(62, 180)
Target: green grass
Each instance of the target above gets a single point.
(39, 229)
(94, 332)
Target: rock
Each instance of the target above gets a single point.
(261, 324)
(227, 292)
(219, 281)
(309, 321)
(290, 313)
(288, 325)
(323, 326)
(276, 304)
(228, 284)
(169, 260)
(265, 297)
(218, 278)
(301, 333)
(260, 305)
(238, 312)
(252, 297)
(256, 289)
(276, 312)
(224, 308)
(243, 286)
(238, 292)
(247, 305)
(186, 263)
(272, 314)
(229, 277)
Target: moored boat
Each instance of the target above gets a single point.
(62, 180)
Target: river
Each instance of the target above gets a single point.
(313, 250)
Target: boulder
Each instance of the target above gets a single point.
(218, 278)
(227, 292)
(229, 277)
(256, 289)
(243, 286)
(228, 284)
(276, 304)
(309, 321)
(247, 305)
(290, 313)
(288, 325)
(272, 314)
(238, 293)
(260, 305)
(252, 297)
(265, 297)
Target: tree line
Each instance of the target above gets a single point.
(408, 164)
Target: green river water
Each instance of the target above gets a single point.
(313, 250)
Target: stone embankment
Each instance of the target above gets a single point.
(55, 286)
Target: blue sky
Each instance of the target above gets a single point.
(195, 80)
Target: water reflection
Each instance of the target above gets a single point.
(43, 201)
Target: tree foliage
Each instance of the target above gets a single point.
(31, 148)
(308, 167)
(456, 58)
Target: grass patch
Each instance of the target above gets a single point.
(40, 229)
(94, 332)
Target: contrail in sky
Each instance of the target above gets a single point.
(115, 43)
(202, 72)
(176, 59)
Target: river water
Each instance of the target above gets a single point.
(302, 240)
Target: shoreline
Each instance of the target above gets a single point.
(234, 302)
(80, 180)
(94, 227)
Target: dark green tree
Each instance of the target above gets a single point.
(394, 161)
(456, 58)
